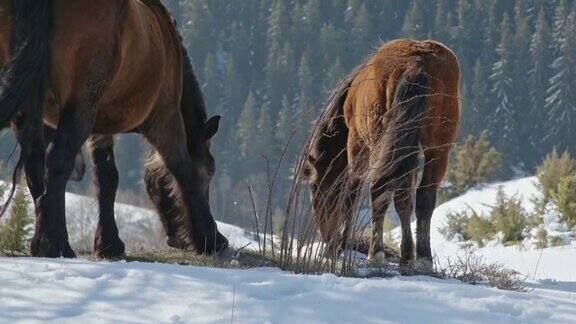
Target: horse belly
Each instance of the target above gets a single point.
(120, 118)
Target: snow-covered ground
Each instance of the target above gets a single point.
(556, 263)
(78, 291)
(65, 291)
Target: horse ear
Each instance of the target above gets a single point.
(211, 126)
(309, 171)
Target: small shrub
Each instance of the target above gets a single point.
(536, 218)
(456, 225)
(565, 200)
(479, 229)
(508, 217)
(557, 241)
(541, 239)
(553, 170)
(471, 269)
(468, 225)
(473, 162)
(14, 234)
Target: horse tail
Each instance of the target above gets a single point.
(401, 142)
(25, 75)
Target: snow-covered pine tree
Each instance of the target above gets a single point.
(561, 101)
(501, 121)
(558, 31)
(521, 101)
(14, 233)
(538, 83)
(247, 126)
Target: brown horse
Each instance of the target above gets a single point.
(401, 100)
(104, 68)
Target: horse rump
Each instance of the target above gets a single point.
(400, 144)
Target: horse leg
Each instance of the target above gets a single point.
(350, 207)
(197, 219)
(34, 166)
(435, 165)
(157, 182)
(107, 243)
(74, 126)
(404, 205)
(380, 198)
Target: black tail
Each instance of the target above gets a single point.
(25, 76)
(400, 144)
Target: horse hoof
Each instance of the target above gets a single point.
(211, 245)
(43, 246)
(423, 265)
(109, 250)
(176, 243)
(221, 243)
(377, 259)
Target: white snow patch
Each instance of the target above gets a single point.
(73, 291)
(557, 263)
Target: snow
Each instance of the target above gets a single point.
(557, 263)
(69, 291)
(72, 291)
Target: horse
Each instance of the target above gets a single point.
(402, 101)
(103, 68)
(79, 163)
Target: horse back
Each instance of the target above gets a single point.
(149, 66)
(371, 94)
(127, 52)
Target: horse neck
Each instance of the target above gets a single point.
(332, 150)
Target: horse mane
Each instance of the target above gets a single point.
(331, 121)
(192, 96)
(192, 93)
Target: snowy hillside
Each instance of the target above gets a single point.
(71, 291)
(557, 263)
(138, 227)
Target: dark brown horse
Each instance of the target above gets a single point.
(401, 100)
(79, 163)
(103, 68)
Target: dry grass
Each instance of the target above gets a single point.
(244, 259)
(473, 270)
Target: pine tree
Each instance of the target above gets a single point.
(334, 74)
(329, 42)
(265, 133)
(305, 80)
(538, 82)
(561, 101)
(234, 91)
(362, 34)
(521, 101)
(559, 27)
(469, 33)
(278, 25)
(490, 40)
(475, 117)
(441, 31)
(198, 29)
(285, 124)
(415, 21)
(248, 126)
(502, 124)
(210, 84)
(14, 234)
